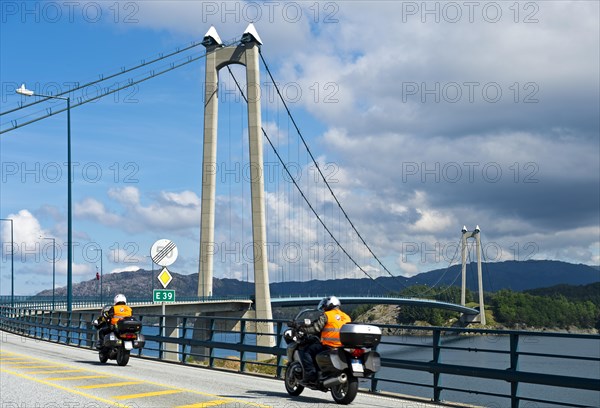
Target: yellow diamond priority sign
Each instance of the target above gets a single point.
(164, 277)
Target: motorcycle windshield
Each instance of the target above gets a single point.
(311, 314)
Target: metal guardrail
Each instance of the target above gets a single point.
(219, 342)
(60, 303)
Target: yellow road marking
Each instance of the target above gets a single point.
(80, 377)
(205, 404)
(53, 372)
(147, 394)
(21, 363)
(119, 384)
(11, 358)
(230, 400)
(83, 394)
(44, 366)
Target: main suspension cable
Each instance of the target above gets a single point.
(102, 78)
(321, 173)
(302, 193)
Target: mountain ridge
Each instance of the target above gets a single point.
(514, 275)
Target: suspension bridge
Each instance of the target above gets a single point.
(286, 209)
(320, 216)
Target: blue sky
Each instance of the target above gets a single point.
(424, 116)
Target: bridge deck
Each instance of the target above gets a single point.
(52, 373)
(305, 301)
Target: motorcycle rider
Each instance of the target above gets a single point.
(110, 316)
(328, 325)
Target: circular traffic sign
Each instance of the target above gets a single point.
(164, 252)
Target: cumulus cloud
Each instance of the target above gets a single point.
(170, 211)
(35, 253)
(26, 230)
(432, 120)
(421, 124)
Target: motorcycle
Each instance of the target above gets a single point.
(338, 369)
(118, 343)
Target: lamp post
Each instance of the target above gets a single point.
(151, 278)
(101, 274)
(53, 268)
(12, 262)
(24, 91)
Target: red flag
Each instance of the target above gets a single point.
(97, 276)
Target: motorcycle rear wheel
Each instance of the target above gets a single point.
(345, 393)
(122, 357)
(292, 384)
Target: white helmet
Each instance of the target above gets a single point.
(120, 298)
(328, 303)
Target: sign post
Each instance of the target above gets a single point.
(164, 253)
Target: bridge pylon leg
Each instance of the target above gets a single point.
(218, 56)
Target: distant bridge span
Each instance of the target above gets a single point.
(192, 303)
(311, 301)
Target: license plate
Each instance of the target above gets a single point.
(357, 366)
(128, 345)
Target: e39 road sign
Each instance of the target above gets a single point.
(163, 295)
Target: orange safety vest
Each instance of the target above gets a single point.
(330, 336)
(121, 311)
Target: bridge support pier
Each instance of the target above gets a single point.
(170, 351)
(207, 324)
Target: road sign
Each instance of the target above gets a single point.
(163, 295)
(164, 252)
(164, 277)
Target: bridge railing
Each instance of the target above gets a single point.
(414, 357)
(60, 302)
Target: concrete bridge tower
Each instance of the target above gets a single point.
(219, 56)
(465, 236)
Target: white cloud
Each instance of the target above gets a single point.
(93, 209)
(129, 196)
(171, 212)
(408, 169)
(184, 199)
(431, 221)
(26, 230)
(132, 268)
(408, 269)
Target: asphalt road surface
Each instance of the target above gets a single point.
(38, 374)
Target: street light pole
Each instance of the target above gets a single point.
(151, 277)
(12, 262)
(24, 91)
(53, 268)
(101, 275)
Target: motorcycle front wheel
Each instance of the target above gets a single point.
(122, 357)
(292, 384)
(103, 357)
(345, 393)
